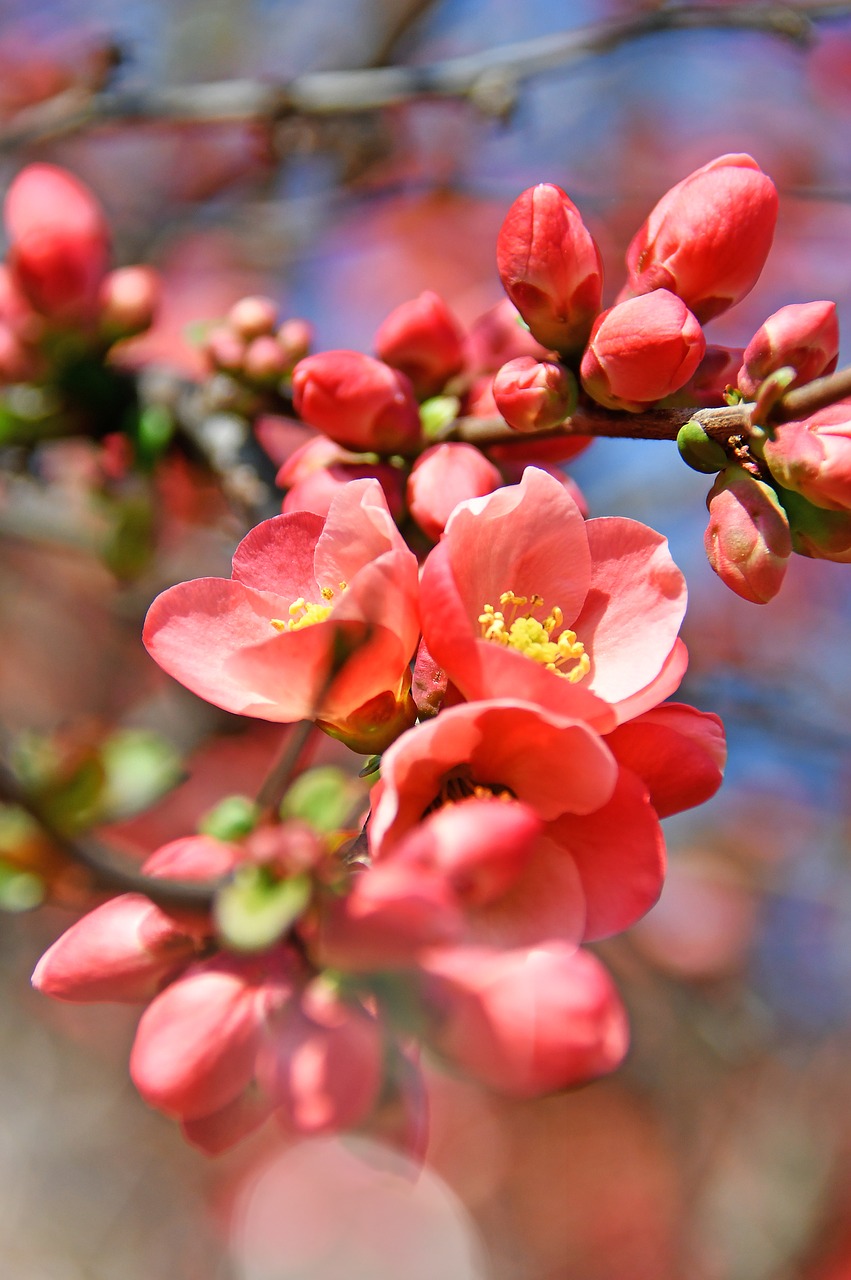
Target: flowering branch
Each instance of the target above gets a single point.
(489, 79)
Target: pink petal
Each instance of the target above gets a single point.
(358, 529)
(678, 751)
(277, 556)
(620, 855)
(635, 605)
(222, 1129)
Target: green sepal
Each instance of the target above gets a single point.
(255, 909)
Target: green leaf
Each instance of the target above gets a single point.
(140, 766)
(254, 910)
(232, 818)
(19, 890)
(325, 798)
(437, 414)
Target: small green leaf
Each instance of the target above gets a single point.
(154, 431)
(437, 414)
(19, 890)
(140, 767)
(232, 818)
(254, 910)
(325, 798)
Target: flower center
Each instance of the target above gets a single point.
(460, 785)
(534, 639)
(303, 613)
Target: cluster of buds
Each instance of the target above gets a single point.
(59, 300)
(513, 684)
(255, 351)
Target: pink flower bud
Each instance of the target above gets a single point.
(550, 267)
(224, 349)
(59, 242)
(497, 336)
(813, 457)
(317, 490)
(360, 402)
(423, 339)
(265, 360)
(442, 477)
(804, 335)
(533, 395)
(747, 542)
(641, 350)
(708, 238)
(295, 336)
(253, 317)
(128, 301)
(716, 373)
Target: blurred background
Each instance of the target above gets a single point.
(722, 1150)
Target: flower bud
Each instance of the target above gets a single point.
(442, 477)
(804, 335)
(423, 339)
(698, 450)
(641, 350)
(550, 267)
(533, 395)
(59, 242)
(295, 336)
(497, 336)
(360, 402)
(747, 542)
(813, 457)
(816, 533)
(708, 238)
(712, 379)
(317, 490)
(128, 300)
(253, 317)
(265, 360)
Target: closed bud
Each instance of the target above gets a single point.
(817, 533)
(550, 267)
(442, 477)
(423, 339)
(295, 336)
(128, 300)
(59, 243)
(265, 360)
(715, 375)
(804, 335)
(813, 457)
(534, 395)
(641, 350)
(497, 336)
(360, 402)
(747, 541)
(708, 238)
(253, 317)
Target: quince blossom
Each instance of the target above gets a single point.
(522, 598)
(267, 642)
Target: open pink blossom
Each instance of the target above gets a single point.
(304, 590)
(525, 1022)
(597, 814)
(522, 598)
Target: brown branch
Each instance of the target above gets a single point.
(488, 78)
(722, 423)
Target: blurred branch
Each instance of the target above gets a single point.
(489, 79)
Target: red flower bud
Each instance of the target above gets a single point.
(253, 317)
(641, 350)
(442, 477)
(716, 373)
(497, 336)
(533, 395)
(747, 542)
(59, 242)
(423, 339)
(708, 238)
(813, 457)
(550, 267)
(360, 402)
(128, 298)
(804, 335)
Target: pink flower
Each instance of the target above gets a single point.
(423, 339)
(264, 642)
(708, 237)
(597, 816)
(59, 242)
(641, 350)
(804, 335)
(360, 402)
(550, 267)
(526, 1022)
(443, 476)
(522, 598)
(128, 301)
(747, 540)
(813, 457)
(533, 395)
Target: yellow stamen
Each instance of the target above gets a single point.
(304, 613)
(534, 639)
